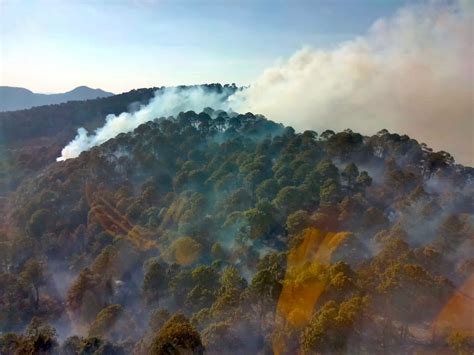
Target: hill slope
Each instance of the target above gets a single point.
(15, 98)
(238, 235)
(31, 139)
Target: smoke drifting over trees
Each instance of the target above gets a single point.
(166, 102)
(227, 233)
(411, 73)
(174, 222)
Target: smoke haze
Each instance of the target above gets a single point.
(412, 73)
(167, 102)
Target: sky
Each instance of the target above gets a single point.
(368, 65)
(52, 46)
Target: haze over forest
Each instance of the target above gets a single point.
(403, 66)
(315, 197)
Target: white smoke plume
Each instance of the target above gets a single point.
(167, 102)
(412, 73)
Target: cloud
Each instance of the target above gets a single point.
(411, 73)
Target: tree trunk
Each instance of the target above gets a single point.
(36, 296)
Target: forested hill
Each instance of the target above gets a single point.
(65, 118)
(224, 233)
(31, 139)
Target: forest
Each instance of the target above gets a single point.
(216, 232)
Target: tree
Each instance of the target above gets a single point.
(288, 199)
(327, 134)
(185, 250)
(105, 321)
(238, 200)
(9, 342)
(34, 276)
(259, 222)
(363, 180)
(231, 287)
(219, 338)
(204, 281)
(329, 193)
(327, 170)
(266, 285)
(220, 122)
(199, 297)
(301, 172)
(204, 122)
(344, 144)
(373, 218)
(154, 281)
(39, 338)
(319, 335)
(351, 208)
(158, 319)
(267, 189)
(350, 174)
(406, 288)
(39, 222)
(217, 251)
(453, 230)
(341, 277)
(180, 284)
(263, 291)
(329, 328)
(87, 295)
(297, 221)
(205, 276)
(90, 345)
(106, 262)
(177, 336)
(231, 281)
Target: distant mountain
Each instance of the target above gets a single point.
(14, 98)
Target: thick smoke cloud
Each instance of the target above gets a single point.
(167, 102)
(412, 73)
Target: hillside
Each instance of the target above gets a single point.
(31, 139)
(220, 232)
(14, 98)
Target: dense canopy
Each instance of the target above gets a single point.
(219, 232)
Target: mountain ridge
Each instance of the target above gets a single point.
(17, 98)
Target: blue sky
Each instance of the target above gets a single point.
(53, 46)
